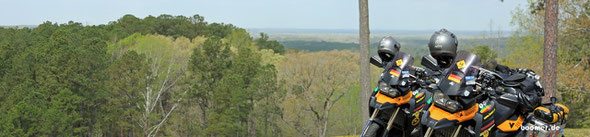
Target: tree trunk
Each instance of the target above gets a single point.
(266, 121)
(251, 120)
(326, 117)
(365, 72)
(550, 50)
(203, 117)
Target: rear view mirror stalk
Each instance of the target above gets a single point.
(376, 61)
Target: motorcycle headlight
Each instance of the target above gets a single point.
(384, 86)
(443, 101)
(387, 90)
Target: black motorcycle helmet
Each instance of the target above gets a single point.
(443, 47)
(387, 49)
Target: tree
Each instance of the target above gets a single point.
(205, 64)
(126, 82)
(60, 70)
(550, 50)
(365, 70)
(186, 121)
(245, 87)
(166, 61)
(316, 82)
(264, 43)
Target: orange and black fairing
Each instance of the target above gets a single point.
(382, 101)
(438, 118)
(512, 124)
(398, 100)
(509, 127)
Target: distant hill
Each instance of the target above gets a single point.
(412, 43)
(343, 36)
(412, 46)
(355, 31)
(19, 26)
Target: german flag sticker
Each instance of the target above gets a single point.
(455, 78)
(393, 72)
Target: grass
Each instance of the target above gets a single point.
(577, 132)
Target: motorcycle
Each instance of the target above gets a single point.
(544, 120)
(398, 100)
(462, 104)
(472, 101)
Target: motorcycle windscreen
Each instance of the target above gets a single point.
(400, 66)
(403, 60)
(386, 75)
(466, 61)
(463, 69)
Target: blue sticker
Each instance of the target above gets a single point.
(466, 93)
(405, 72)
(468, 78)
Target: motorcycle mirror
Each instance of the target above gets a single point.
(376, 61)
(429, 62)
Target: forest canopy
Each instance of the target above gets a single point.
(165, 75)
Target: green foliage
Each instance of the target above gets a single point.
(60, 69)
(207, 64)
(168, 25)
(125, 83)
(74, 80)
(578, 108)
(62, 116)
(315, 82)
(234, 87)
(526, 52)
(274, 45)
(484, 53)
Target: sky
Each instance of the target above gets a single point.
(463, 15)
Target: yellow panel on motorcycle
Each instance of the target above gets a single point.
(399, 62)
(511, 125)
(461, 64)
